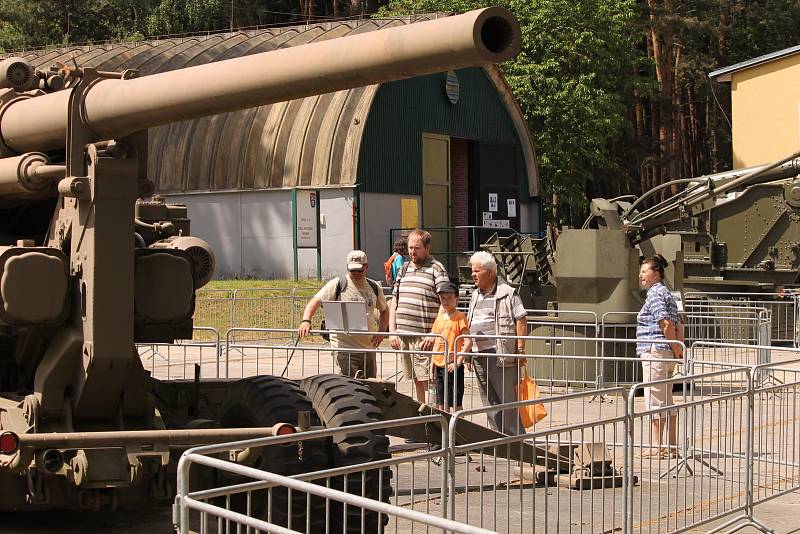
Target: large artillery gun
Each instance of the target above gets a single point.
(735, 231)
(90, 265)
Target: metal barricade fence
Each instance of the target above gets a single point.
(186, 359)
(736, 444)
(563, 333)
(243, 357)
(732, 354)
(693, 463)
(776, 430)
(213, 309)
(223, 309)
(742, 328)
(733, 324)
(395, 494)
(497, 385)
(773, 455)
(529, 482)
(263, 308)
(783, 308)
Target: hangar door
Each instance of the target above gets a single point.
(436, 190)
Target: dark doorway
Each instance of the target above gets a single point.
(498, 188)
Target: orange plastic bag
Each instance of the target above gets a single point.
(527, 390)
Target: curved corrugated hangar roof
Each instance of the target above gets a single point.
(313, 141)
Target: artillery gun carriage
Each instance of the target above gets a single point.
(91, 264)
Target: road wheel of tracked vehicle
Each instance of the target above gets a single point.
(263, 401)
(343, 401)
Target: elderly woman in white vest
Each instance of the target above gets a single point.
(496, 311)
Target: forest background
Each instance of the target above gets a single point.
(616, 92)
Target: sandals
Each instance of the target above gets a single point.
(653, 452)
(659, 453)
(667, 454)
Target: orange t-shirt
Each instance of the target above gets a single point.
(450, 329)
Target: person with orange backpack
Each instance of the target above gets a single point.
(394, 264)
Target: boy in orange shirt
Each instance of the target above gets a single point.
(450, 324)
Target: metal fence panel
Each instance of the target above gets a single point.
(702, 476)
(588, 467)
(223, 309)
(528, 483)
(411, 491)
(776, 432)
(782, 306)
(170, 361)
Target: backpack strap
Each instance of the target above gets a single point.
(340, 286)
(375, 288)
(403, 271)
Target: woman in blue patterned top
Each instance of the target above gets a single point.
(658, 320)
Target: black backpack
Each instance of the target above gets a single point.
(340, 286)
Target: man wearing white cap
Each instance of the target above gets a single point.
(354, 286)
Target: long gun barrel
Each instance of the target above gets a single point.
(700, 196)
(115, 108)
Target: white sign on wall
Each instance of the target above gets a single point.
(307, 221)
(512, 207)
(497, 223)
(492, 201)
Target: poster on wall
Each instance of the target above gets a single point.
(512, 207)
(492, 201)
(307, 218)
(409, 213)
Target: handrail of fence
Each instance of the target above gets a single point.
(597, 341)
(296, 346)
(534, 314)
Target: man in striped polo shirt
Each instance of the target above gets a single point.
(414, 308)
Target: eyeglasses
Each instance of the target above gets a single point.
(356, 270)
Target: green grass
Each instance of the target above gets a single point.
(276, 284)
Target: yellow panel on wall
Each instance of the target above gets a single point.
(765, 112)
(409, 213)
